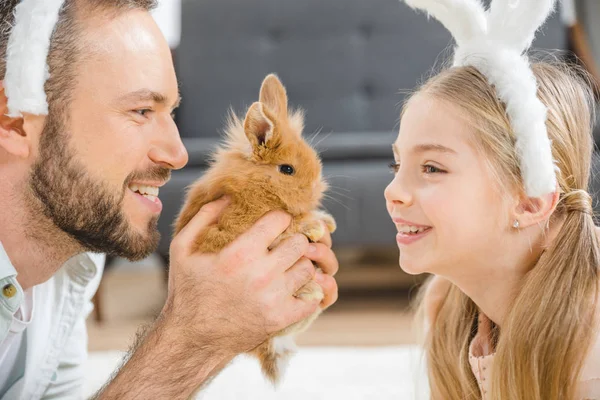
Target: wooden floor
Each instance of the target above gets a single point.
(372, 309)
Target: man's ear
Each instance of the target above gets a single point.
(13, 138)
(534, 210)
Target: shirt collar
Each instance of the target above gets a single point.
(81, 267)
(8, 279)
(6, 268)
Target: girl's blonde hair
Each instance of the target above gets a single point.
(550, 325)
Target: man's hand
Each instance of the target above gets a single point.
(221, 305)
(325, 259)
(236, 299)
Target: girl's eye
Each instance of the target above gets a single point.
(394, 167)
(430, 169)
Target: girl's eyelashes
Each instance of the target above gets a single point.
(432, 169)
(426, 168)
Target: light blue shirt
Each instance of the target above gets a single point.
(56, 338)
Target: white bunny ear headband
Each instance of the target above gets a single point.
(26, 56)
(495, 41)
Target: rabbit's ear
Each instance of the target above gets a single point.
(274, 96)
(465, 19)
(514, 22)
(259, 125)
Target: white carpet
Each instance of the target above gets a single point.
(318, 373)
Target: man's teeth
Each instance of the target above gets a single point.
(410, 229)
(150, 197)
(150, 192)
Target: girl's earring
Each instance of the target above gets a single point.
(516, 224)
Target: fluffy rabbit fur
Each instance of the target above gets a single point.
(253, 168)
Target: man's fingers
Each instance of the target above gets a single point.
(324, 257)
(208, 215)
(302, 272)
(264, 232)
(330, 289)
(300, 309)
(289, 251)
(326, 239)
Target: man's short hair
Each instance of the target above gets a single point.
(65, 48)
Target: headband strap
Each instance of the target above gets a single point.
(26, 56)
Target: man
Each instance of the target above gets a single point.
(67, 180)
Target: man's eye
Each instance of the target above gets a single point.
(394, 167)
(143, 112)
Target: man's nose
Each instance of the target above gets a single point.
(168, 149)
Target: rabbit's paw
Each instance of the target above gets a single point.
(327, 218)
(313, 230)
(311, 291)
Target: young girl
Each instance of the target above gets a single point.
(511, 309)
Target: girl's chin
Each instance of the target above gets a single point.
(414, 267)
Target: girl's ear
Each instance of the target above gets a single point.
(534, 210)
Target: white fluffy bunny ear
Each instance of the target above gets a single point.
(26, 56)
(514, 22)
(494, 41)
(465, 19)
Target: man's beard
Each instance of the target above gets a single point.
(83, 207)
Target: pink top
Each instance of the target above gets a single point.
(481, 358)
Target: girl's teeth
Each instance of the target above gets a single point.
(410, 229)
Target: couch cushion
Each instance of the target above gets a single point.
(331, 146)
(348, 63)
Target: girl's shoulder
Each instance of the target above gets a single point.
(590, 372)
(591, 368)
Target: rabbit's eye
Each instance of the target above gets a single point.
(286, 169)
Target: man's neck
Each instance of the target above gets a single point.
(35, 247)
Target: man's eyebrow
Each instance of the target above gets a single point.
(150, 95)
(177, 102)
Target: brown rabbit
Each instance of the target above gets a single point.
(264, 165)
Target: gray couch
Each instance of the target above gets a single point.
(348, 63)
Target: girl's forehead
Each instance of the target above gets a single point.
(429, 123)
